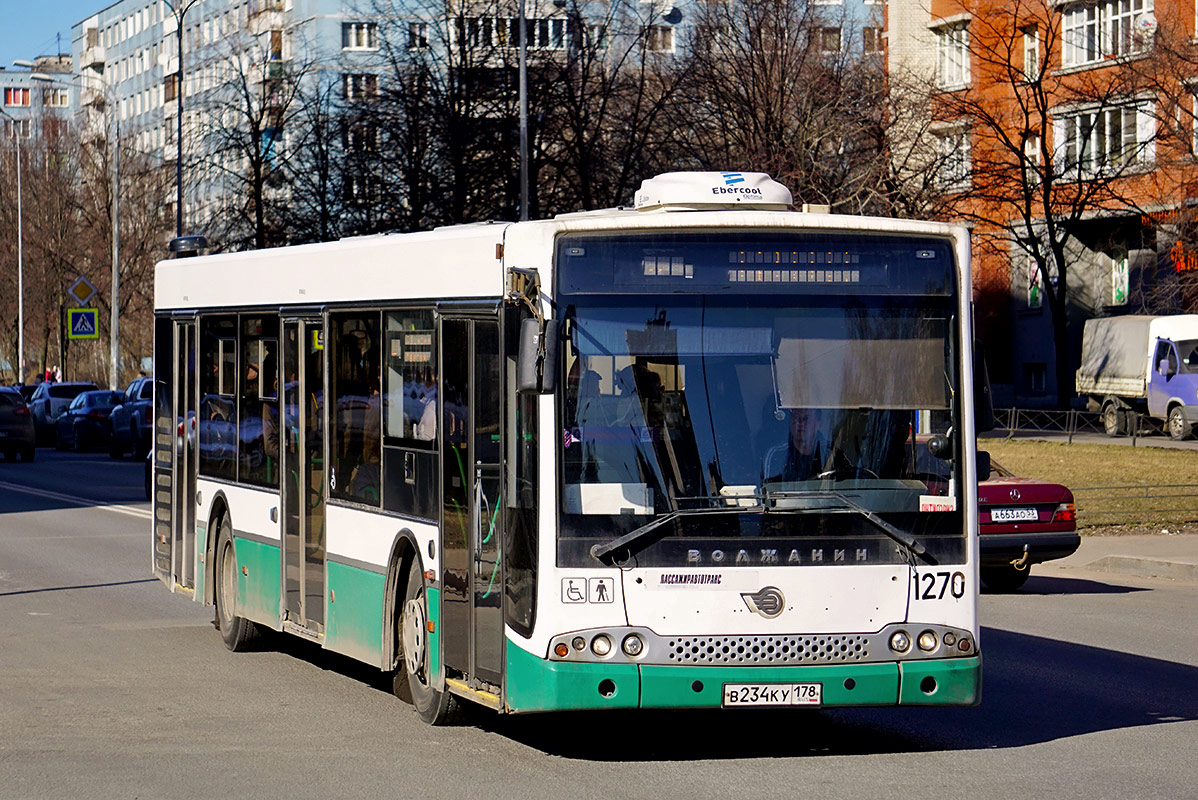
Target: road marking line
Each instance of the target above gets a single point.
(140, 513)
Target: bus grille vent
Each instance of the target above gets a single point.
(767, 649)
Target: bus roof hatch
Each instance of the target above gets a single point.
(699, 191)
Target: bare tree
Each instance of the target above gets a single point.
(1035, 154)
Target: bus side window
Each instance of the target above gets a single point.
(217, 421)
(355, 443)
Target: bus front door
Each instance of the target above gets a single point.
(302, 474)
(472, 508)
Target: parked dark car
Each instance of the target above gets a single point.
(1022, 522)
(85, 423)
(51, 399)
(17, 434)
(133, 419)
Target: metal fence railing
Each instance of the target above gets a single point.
(1136, 505)
(1069, 422)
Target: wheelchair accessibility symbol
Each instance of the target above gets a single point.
(574, 590)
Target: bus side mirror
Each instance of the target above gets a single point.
(536, 362)
(983, 466)
(983, 402)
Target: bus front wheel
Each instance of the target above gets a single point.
(238, 633)
(413, 683)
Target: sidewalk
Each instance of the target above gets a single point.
(1146, 556)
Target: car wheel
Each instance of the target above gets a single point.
(412, 682)
(1006, 578)
(76, 439)
(59, 442)
(239, 634)
(1179, 429)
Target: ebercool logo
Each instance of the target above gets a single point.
(767, 602)
(731, 179)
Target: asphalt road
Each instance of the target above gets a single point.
(110, 686)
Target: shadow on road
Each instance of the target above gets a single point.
(1037, 585)
(80, 586)
(1035, 690)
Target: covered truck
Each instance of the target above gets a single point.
(1146, 364)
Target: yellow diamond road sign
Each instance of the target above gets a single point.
(81, 290)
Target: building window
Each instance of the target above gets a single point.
(596, 37)
(361, 86)
(1093, 32)
(1105, 141)
(829, 40)
(417, 35)
(16, 96)
(360, 138)
(485, 32)
(56, 98)
(952, 57)
(871, 39)
(953, 167)
(275, 53)
(22, 128)
(659, 38)
(359, 190)
(1031, 159)
(359, 36)
(1031, 53)
(1035, 378)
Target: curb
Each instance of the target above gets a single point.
(1146, 568)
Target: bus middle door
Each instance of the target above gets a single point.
(472, 508)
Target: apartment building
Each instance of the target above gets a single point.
(35, 109)
(1066, 124)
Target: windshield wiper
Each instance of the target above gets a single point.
(602, 551)
(912, 545)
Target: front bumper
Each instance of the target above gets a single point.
(536, 684)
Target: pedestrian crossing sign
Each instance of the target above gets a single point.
(81, 323)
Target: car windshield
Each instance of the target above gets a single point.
(103, 399)
(681, 402)
(1189, 355)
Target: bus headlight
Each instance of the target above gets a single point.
(633, 645)
(927, 641)
(601, 645)
(900, 642)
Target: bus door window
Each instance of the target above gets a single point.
(355, 350)
(409, 413)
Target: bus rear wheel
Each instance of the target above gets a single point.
(412, 682)
(238, 633)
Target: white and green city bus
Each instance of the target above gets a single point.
(668, 456)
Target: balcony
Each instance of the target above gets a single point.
(93, 58)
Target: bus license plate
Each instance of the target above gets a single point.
(738, 695)
(1013, 515)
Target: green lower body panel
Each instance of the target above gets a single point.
(355, 623)
(536, 684)
(433, 602)
(201, 572)
(949, 682)
(258, 581)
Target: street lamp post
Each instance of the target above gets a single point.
(179, 9)
(523, 113)
(114, 318)
(20, 260)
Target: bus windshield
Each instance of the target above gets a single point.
(787, 400)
